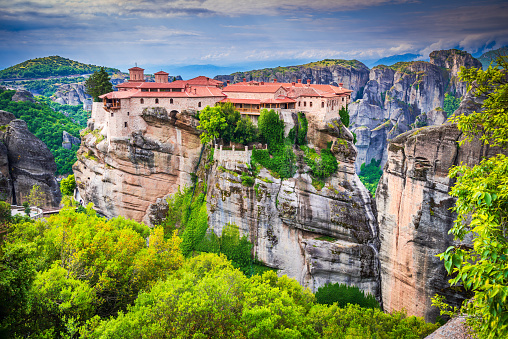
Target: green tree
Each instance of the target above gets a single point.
(451, 103)
(98, 83)
(212, 121)
(36, 197)
(481, 207)
(68, 185)
(344, 116)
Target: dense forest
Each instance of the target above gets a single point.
(47, 125)
(80, 275)
(48, 67)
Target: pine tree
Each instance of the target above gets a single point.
(98, 84)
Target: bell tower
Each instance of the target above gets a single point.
(136, 74)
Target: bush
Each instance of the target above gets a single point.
(369, 175)
(344, 116)
(247, 180)
(321, 165)
(343, 294)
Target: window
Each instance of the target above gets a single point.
(310, 104)
(299, 103)
(199, 104)
(342, 99)
(156, 100)
(128, 113)
(305, 104)
(170, 101)
(144, 90)
(142, 101)
(111, 114)
(125, 124)
(323, 104)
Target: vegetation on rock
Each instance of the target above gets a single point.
(49, 66)
(451, 103)
(482, 202)
(67, 185)
(369, 175)
(47, 125)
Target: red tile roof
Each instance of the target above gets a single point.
(197, 92)
(252, 88)
(136, 69)
(242, 101)
(161, 73)
(204, 81)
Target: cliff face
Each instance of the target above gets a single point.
(315, 236)
(25, 161)
(414, 217)
(405, 95)
(123, 176)
(70, 94)
(353, 74)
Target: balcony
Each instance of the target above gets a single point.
(112, 104)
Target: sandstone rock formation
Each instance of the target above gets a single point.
(22, 95)
(414, 216)
(69, 140)
(70, 94)
(25, 161)
(123, 176)
(403, 96)
(314, 236)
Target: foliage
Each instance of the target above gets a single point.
(279, 157)
(247, 180)
(5, 211)
(208, 298)
(344, 116)
(67, 185)
(49, 66)
(481, 207)
(343, 294)
(321, 165)
(302, 130)
(36, 196)
(223, 121)
(451, 103)
(75, 113)
(76, 266)
(98, 84)
(369, 175)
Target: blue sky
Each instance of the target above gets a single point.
(160, 34)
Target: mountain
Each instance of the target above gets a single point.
(49, 66)
(488, 57)
(388, 61)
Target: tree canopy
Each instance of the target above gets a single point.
(482, 208)
(98, 84)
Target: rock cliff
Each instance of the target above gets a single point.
(352, 73)
(124, 176)
(404, 96)
(414, 216)
(25, 161)
(70, 94)
(68, 140)
(315, 236)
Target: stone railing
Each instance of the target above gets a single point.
(233, 155)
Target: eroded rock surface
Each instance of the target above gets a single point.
(124, 176)
(414, 216)
(25, 161)
(404, 96)
(70, 94)
(314, 236)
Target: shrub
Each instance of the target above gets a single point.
(343, 294)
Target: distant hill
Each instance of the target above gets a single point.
(489, 56)
(388, 61)
(49, 66)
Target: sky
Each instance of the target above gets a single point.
(161, 34)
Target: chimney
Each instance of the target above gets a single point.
(299, 81)
(244, 80)
(262, 82)
(308, 81)
(341, 84)
(293, 83)
(274, 80)
(228, 82)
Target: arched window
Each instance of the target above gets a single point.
(323, 104)
(199, 104)
(170, 101)
(125, 124)
(310, 104)
(142, 101)
(156, 100)
(305, 104)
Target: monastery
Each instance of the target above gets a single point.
(121, 111)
